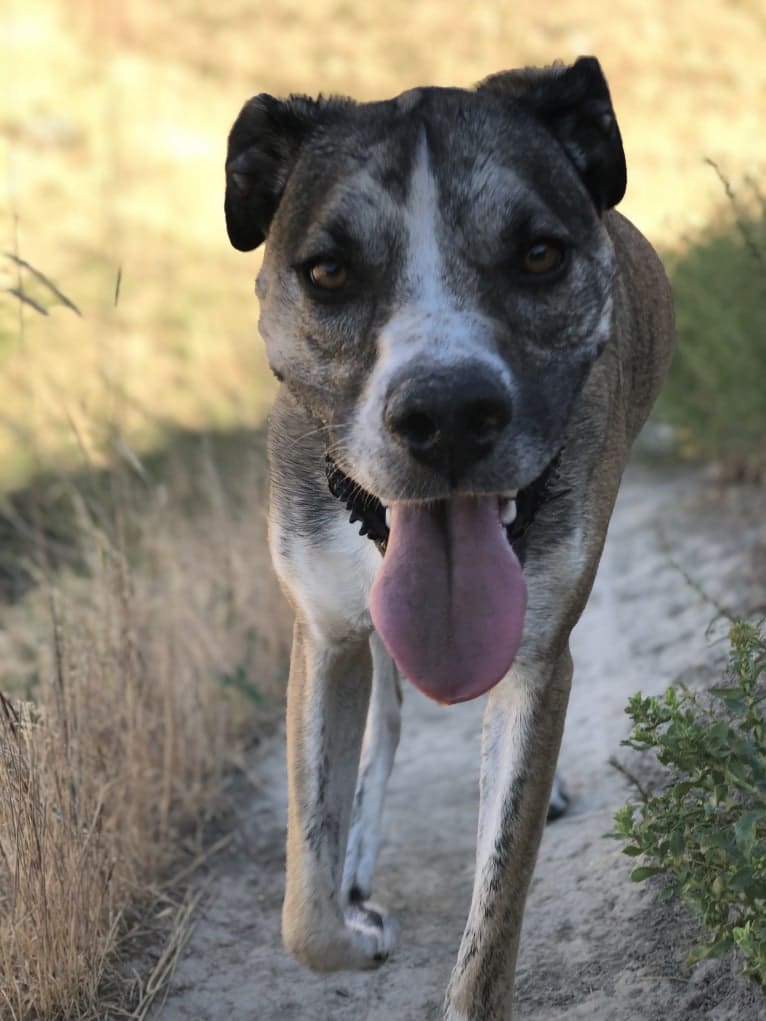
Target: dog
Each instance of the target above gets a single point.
(468, 339)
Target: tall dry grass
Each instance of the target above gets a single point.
(122, 751)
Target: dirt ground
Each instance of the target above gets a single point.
(595, 946)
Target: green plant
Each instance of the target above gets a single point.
(704, 829)
(714, 393)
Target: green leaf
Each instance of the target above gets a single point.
(645, 872)
(745, 830)
(677, 842)
(741, 880)
(732, 698)
(717, 948)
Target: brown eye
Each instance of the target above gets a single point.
(543, 257)
(328, 274)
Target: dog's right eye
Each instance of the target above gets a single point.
(542, 258)
(328, 274)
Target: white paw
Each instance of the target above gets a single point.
(362, 940)
(372, 921)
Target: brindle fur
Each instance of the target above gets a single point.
(424, 192)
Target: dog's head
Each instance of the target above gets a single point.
(437, 280)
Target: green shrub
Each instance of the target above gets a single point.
(715, 391)
(704, 829)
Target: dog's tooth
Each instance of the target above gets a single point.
(509, 494)
(508, 512)
(388, 517)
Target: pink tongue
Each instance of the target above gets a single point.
(449, 598)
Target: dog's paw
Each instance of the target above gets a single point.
(362, 940)
(368, 918)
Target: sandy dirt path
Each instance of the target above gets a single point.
(595, 946)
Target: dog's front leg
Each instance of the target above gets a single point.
(522, 733)
(328, 696)
(381, 738)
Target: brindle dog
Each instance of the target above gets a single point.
(468, 341)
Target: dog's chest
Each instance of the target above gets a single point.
(329, 578)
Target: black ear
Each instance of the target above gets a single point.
(263, 147)
(574, 104)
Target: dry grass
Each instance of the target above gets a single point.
(123, 749)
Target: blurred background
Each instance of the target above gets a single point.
(113, 124)
(133, 386)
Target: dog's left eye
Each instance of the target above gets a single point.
(328, 274)
(542, 257)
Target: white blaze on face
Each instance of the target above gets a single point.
(429, 329)
(425, 269)
(431, 323)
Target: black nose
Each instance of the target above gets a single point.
(448, 420)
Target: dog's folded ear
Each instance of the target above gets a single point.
(264, 144)
(574, 104)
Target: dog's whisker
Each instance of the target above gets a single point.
(309, 434)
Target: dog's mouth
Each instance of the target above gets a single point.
(517, 508)
(449, 598)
